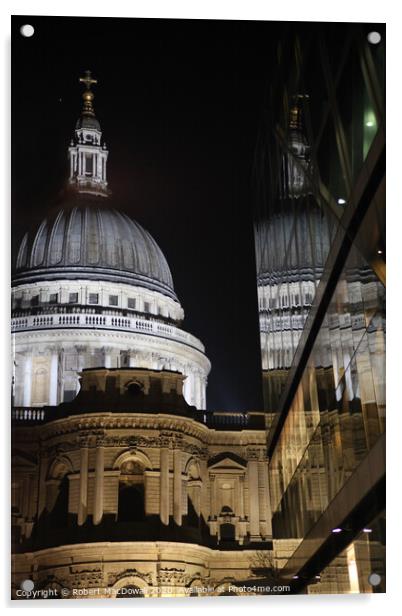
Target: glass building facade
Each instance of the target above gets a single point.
(320, 253)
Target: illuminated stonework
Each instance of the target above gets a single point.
(129, 486)
(92, 288)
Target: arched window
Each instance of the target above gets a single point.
(58, 493)
(193, 493)
(131, 506)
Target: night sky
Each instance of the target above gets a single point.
(180, 104)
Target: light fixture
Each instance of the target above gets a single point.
(369, 123)
(367, 530)
(341, 201)
(317, 577)
(379, 251)
(337, 530)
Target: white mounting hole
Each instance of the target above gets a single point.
(374, 38)
(374, 579)
(27, 30)
(27, 585)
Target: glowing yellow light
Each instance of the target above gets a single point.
(352, 570)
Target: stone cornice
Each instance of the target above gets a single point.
(87, 430)
(124, 338)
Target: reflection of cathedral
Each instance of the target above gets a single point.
(92, 288)
(322, 332)
(291, 249)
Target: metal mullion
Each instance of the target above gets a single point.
(338, 125)
(372, 84)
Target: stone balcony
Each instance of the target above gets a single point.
(105, 322)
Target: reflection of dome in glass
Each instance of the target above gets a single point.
(86, 239)
(292, 241)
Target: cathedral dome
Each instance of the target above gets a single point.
(89, 239)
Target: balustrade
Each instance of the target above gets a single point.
(107, 322)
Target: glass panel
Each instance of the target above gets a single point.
(329, 166)
(360, 568)
(356, 113)
(338, 411)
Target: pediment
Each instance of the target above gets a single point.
(227, 461)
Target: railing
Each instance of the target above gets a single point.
(218, 421)
(100, 321)
(28, 414)
(229, 420)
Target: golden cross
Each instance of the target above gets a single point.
(88, 80)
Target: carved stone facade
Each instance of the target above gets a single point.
(129, 486)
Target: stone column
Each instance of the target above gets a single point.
(53, 381)
(98, 491)
(83, 495)
(241, 497)
(267, 499)
(27, 380)
(254, 506)
(80, 350)
(131, 359)
(177, 487)
(107, 356)
(43, 468)
(164, 485)
(203, 391)
(197, 392)
(212, 489)
(197, 497)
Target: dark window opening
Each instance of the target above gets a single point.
(59, 513)
(227, 532)
(93, 298)
(192, 517)
(131, 503)
(134, 389)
